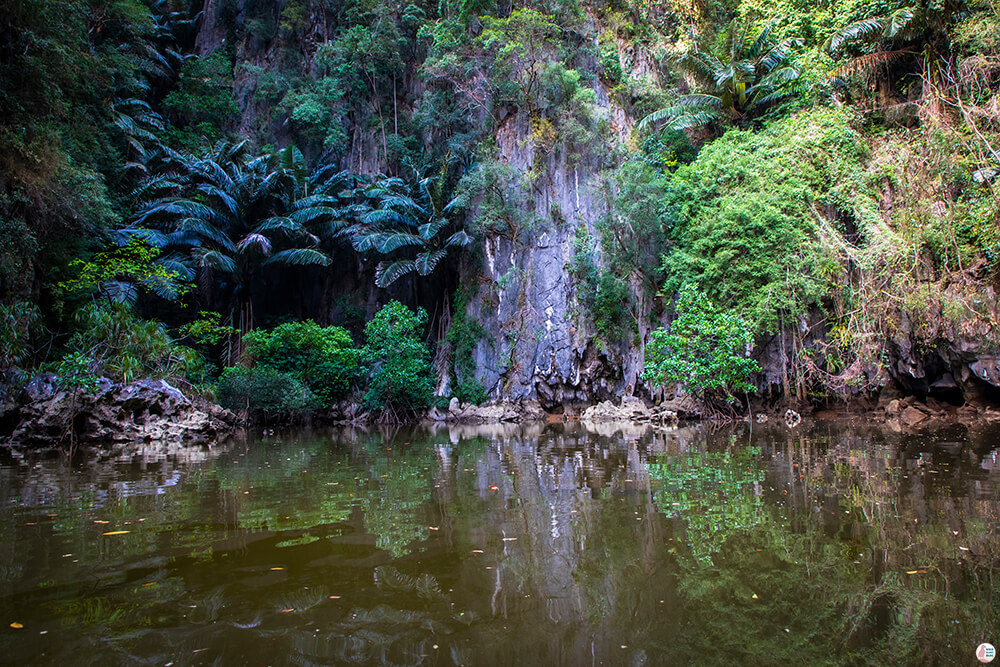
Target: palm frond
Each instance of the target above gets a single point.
(458, 239)
(387, 274)
(279, 223)
(426, 261)
(206, 230)
(309, 216)
(899, 22)
(760, 44)
(382, 217)
(216, 260)
(292, 160)
(217, 193)
(330, 229)
(866, 30)
(177, 264)
(702, 67)
(777, 55)
(699, 100)
(317, 200)
(694, 117)
(178, 208)
(121, 291)
(429, 229)
(299, 257)
(255, 240)
(391, 241)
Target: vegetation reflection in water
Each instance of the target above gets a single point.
(511, 545)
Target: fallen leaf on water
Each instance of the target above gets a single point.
(117, 532)
(754, 596)
(16, 625)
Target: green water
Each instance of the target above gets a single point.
(538, 545)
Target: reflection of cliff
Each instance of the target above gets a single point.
(502, 545)
(562, 515)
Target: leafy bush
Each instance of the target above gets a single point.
(324, 359)
(400, 375)
(202, 102)
(705, 350)
(123, 346)
(743, 222)
(263, 389)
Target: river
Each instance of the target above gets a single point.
(510, 545)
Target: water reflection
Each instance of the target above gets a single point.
(546, 544)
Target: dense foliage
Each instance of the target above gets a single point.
(310, 160)
(323, 359)
(398, 361)
(705, 351)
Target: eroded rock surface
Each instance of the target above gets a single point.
(631, 409)
(501, 412)
(142, 411)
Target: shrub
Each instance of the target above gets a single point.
(324, 359)
(705, 351)
(400, 378)
(123, 346)
(263, 389)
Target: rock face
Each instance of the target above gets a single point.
(146, 410)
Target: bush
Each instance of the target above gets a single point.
(123, 346)
(324, 359)
(705, 351)
(263, 389)
(400, 377)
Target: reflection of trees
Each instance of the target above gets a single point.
(714, 493)
(552, 545)
(853, 557)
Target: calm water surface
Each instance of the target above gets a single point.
(544, 545)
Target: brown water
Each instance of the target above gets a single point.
(510, 546)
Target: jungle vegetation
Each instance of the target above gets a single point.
(184, 188)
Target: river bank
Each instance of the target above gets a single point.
(118, 417)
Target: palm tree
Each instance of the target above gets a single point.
(739, 79)
(913, 28)
(236, 215)
(402, 219)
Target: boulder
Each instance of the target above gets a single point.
(494, 413)
(142, 411)
(911, 416)
(632, 410)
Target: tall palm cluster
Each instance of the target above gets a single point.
(738, 79)
(230, 218)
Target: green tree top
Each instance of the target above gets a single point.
(400, 378)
